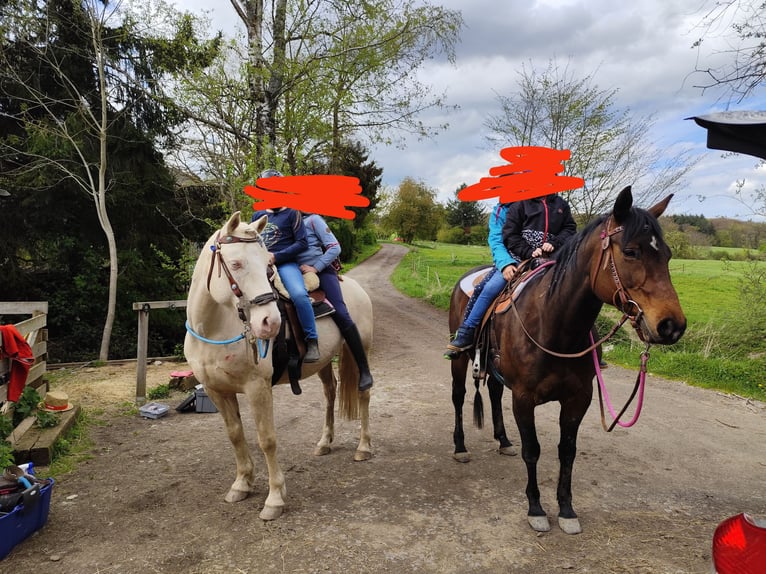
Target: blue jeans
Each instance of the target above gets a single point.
(292, 279)
(492, 287)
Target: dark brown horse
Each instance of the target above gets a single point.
(619, 259)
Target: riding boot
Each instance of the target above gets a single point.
(312, 351)
(462, 342)
(354, 341)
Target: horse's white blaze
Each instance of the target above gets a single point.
(654, 244)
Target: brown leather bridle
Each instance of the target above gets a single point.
(262, 299)
(620, 298)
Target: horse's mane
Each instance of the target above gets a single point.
(639, 221)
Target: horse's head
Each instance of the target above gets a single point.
(633, 270)
(240, 266)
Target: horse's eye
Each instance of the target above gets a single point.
(236, 265)
(630, 253)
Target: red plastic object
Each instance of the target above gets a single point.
(739, 546)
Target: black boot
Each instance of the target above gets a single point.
(312, 351)
(354, 341)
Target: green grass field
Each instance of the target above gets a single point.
(719, 350)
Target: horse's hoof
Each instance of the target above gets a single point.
(462, 456)
(509, 450)
(271, 512)
(362, 455)
(570, 525)
(539, 523)
(322, 450)
(236, 495)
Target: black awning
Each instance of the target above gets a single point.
(739, 131)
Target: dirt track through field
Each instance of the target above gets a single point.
(649, 497)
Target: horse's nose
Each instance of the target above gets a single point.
(271, 324)
(670, 330)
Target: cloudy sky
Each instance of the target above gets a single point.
(642, 48)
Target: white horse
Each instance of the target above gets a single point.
(232, 317)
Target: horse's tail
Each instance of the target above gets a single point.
(348, 396)
(478, 407)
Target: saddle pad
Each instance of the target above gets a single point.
(503, 305)
(468, 282)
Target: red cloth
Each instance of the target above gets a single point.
(16, 348)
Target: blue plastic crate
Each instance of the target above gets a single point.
(22, 522)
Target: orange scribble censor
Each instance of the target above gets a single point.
(531, 171)
(328, 195)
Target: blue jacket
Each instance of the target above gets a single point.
(323, 245)
(500, 254)
(284, 234)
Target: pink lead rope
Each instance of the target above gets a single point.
(639, 386)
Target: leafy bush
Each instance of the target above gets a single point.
(454, 235)
(344, 232)
(6, 454)
(159, 392)
(366, 236)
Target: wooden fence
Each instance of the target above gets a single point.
(34, 330)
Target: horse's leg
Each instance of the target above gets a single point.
(459, 367)
(571, 416)
(524, 413)
(498, 424)
(261, 401)
(229, 408)
(364, 448)
(328, 431)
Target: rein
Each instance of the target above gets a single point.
(638, 387)
(242, 304)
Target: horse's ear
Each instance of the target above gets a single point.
(233, 222)
(260, 223)
(659, 208)
(623, 204)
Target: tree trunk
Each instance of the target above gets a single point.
(251, 14)
(103, 216)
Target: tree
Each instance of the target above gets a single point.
(413, 213)
(465, 214)
(76, 79)
(312, 76)
(743, 25)
(353, 160)
(609, 148)
(745, 68)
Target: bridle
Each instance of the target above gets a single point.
(263, 298)
(620, 298)
(243, 304)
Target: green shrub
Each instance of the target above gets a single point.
(6, 454)
(366, 236)
(159, 392)
(454, 235)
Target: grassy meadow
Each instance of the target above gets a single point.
(724, 346)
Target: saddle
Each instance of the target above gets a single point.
(289, 345)
(485, 342)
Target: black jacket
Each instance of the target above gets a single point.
(532, 222)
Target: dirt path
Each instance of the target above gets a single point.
(649, 497)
